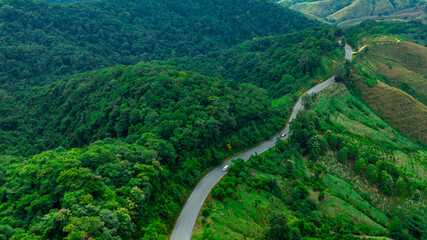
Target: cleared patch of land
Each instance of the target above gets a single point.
(392, 79)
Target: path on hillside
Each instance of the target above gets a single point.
(185, 223)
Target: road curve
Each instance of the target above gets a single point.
(185, 223)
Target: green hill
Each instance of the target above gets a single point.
(343, 174)
(112, 126)
(40, 40)
(167, 120)
(343, 10)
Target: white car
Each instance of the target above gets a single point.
(284, 135)
(225, 168)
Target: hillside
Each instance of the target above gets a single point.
(166, 119)
(390, 78)
(338, 11)
(344, 173)
(75, 110)
(41, 40)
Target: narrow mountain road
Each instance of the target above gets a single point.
(185, 223)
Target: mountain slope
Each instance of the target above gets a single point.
(41, 39)
(172, 126)
(307, 187)
(339, 10)
(391, 78)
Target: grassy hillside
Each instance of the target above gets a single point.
(402, 63)
(390, 78)
(340, 11)
(323, 194)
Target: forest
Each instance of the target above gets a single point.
(111, 111)
(184, 122)
(40, 40)
(166, 143)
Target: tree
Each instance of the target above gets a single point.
(417, 225)
(342, 71)
(218, 193)
(342, 155)
(400, 186)
(279, 230)
(386, 182)
(318, 146)
(289, 169)
(372, 173)
(295, 234)
(360, 165)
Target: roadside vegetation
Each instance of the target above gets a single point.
(327, 181)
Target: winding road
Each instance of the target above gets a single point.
(185, 223)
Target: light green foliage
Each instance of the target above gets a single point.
(356, 118)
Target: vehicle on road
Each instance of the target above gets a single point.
(225, 168)
(284, 135)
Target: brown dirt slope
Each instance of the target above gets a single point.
(398, 108)
(404, 64)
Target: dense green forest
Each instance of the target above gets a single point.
(185, 121)
(40, 40)
(74, 111)
(179, 120)
(414, 31)
(110, 111)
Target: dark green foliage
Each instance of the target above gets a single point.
(206, 212)
(175, 125)
(281, 64)
(191, 113)
(41, 39)
(372, 173)
(386, 182)
(289, 169)
(304, 127)
(416, 30)
(58, 197)
(360, 165)
(295, 234)
(279, 230)
(333, 140)
(342, 155)
(416, 225)
(318, 146)
(342, 71)
(299, 192)
(400, 186)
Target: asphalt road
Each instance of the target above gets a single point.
(185, 223)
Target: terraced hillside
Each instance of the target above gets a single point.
(343, 10)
